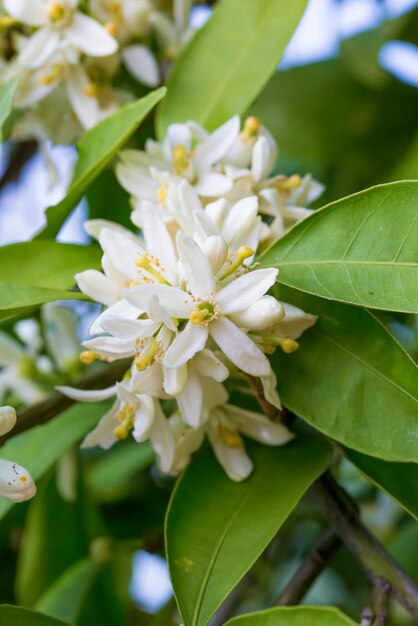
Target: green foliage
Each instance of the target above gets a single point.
(96, 149)
(371, 253)
(210, 519)
(19, 616)
(294, 616)
(224, 67)
(351, 380)
(7, 91)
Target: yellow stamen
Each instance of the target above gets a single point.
(244, 252)
(125, 416)
(56, 11)
(162, 194)
(54, 74)
(88, 356)
(289, 183)
(181, 158)
(199, 317)
(91, 90)
(6, 21)
(145, 359)
(142, 261)
(289, 345)
(251, 129)
(230, 438)
(112, 28)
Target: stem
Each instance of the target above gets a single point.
(342, 513)
(46, 410)
(382, 593)
(382, 570)
(274, 414)
(310, 569)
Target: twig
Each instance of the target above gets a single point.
(310, 569)
(46, 410)
(274, 414)
(366, 617)
(382, 591)
(381, 569)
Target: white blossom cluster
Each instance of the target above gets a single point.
(185, 299)
(67, 53)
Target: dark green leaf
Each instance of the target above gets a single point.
(18, 616)
(294, 616)
(224, 67)
(351, 380)
(399, 480)
(216, 529)
(361, 249)
(96, 149)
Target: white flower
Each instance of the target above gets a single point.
(57, 22)
(18, 364)
(16, 484)
(61, 338)
(283, 331)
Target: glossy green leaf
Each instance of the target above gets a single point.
(224, 68)
(7, 91)
(96, 149)
(216, 529)
(399, 480)
(39, 448)
(351, 380)
(294, 616)
(362, 249)
(19, 616)
(64, 598)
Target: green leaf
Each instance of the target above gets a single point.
(224, 68)
(7, 91)
(399, 480)
(294, 616)
(361, 249)
(39, 448)
(18, 616)
(64, 598)
(216, 529)
(35, 272)
(351, 380)
(96, 149)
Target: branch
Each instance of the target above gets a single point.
(310, 569)
(382, 593)
(381, 569)
(274, 414)
(46, 410)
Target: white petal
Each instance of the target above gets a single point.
(163, 440)
(158, 241)
(217, 144)
(239, 348)
(260, 164)
(176, 301)
(264, 312)
(129, 329)
(142, 64)
(190, 401)
(87, 395)
(174, 379)
(295, 321)
(103, 435)
(8, 419)
(121, 309)
(207, 364)
(149, 381)
(97, 286)
(179, 135)
(139, 184)
(196, 266)
(121, 250)
(211, 185)
(16, 484)
(111, 348)
(245, 290)
(86, 108)
(235, 461)
(264, 431)
(11, 352)
(39, 47)
(216, 251)
(144, 417)
(217, 211)
(32, 12)
(90, 37)
(270, 389)
(240, 215)
(187, 343)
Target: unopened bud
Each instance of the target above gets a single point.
(7, 419)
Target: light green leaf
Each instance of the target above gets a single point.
(64, 598)
(14, 297)
(216, 529)
(224, 68)
(361, 249)
(96, 149)
(399, 480)
(7, 91)
(351, 380)
(18, 616)
(294, 616)
(39, 448)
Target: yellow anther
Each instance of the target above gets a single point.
(91, 90)
(145, 359)
(199, 316)
(244, 252)
(121, 431)
(114, 6)
(252, 127)
(143, 262)
(131, 283)
(269, 343)
(181, 158)
(6, 21)
(230, 438)
(112, 28)
(289, 345)
(290, 182)
(54, 74)
(125, 416)
(88, 356)
(23, 479)
(162, 194)
(56, 11)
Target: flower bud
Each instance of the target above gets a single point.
(16, 484)
(7, 419)
(260, 315)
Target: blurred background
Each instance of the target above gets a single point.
(343, 106)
